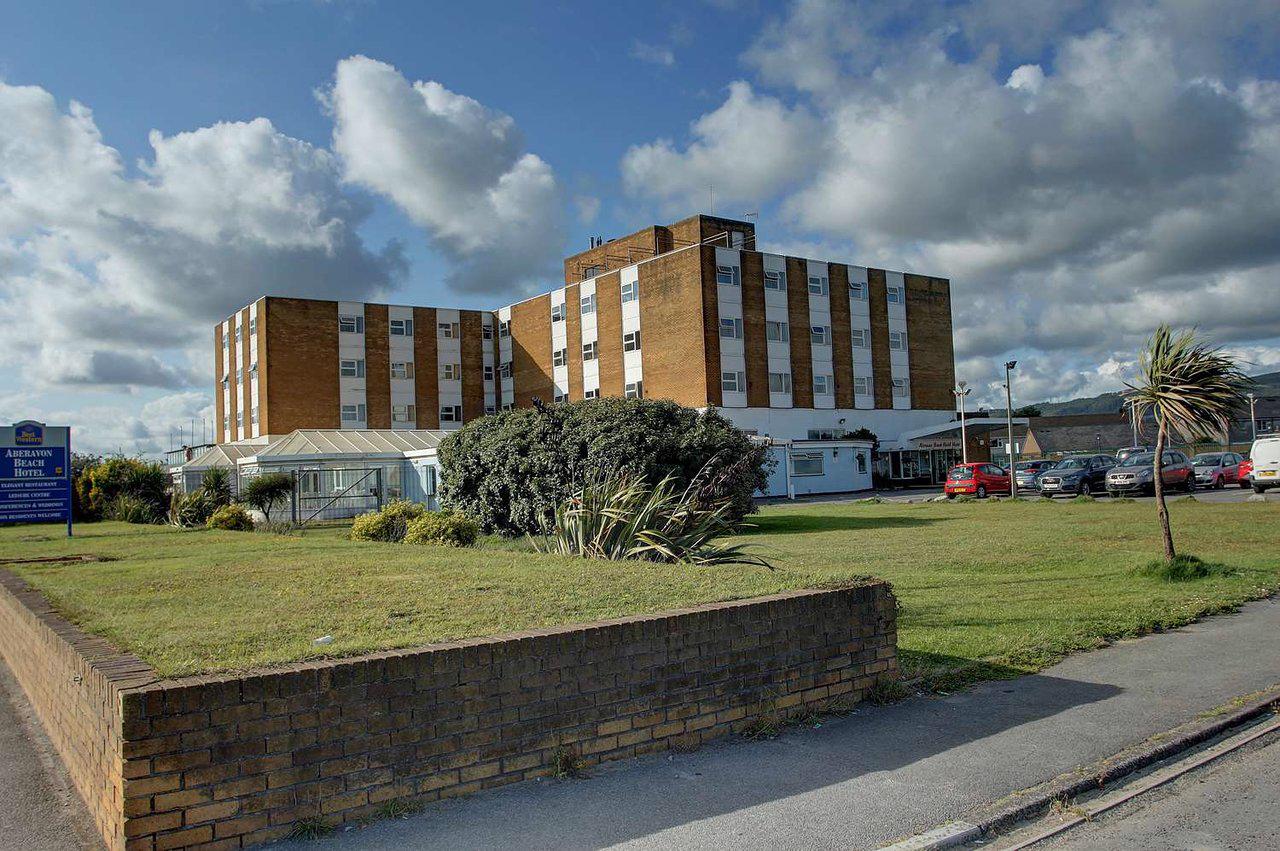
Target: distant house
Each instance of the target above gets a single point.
(1049, 437)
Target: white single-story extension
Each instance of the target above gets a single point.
(819, 466)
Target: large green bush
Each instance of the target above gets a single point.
(388, 524)
(511, 471)
(445, 528)
(145, 485)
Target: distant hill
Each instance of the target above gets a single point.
(1111, 403)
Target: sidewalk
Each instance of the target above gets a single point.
(879, 774)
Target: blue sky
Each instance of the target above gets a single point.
(1081, 170)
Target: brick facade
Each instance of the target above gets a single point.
(231, 761)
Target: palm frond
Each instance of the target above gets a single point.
(1188, 385)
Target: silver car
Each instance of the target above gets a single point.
(1217, 469)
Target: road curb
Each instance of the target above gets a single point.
(1036, 800)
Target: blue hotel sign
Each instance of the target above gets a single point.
(35, 473)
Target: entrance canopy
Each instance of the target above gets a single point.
(947, 435)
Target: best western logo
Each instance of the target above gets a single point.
(28, 435)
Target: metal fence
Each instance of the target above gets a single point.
(335, 494)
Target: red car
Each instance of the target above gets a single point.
(1246, 473)
(976, 479)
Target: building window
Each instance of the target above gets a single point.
(448, 330)
(401, 327)
(818, 285)
(630, 291)
(353, 413)
(737, 238)
(779, 382)
(238, 329)
(560, 357)
(898, 340)
(451, 371)
(634, 390)
(806, 464)
(504, 328)
(506, 406)
(777, 332)
(226, 422)
(820, 335)
(590, 350)
(488, 372)
(486, 330)
(774, 280)
(895, 295)
(401, 369)
(450, 413)
(226, 341)
(505, 369)
(226, 382)
(858, 290)
(631, 341)
(351, 324)
(733, 382)
(730, 276)
(593, 393)
(240, 419)
(557, 312)
(239, 374)
(730, 328)
(587, 304)
(403, 413)
(351, 368)
(253, 368)
(253, 415)
(862, 385)
(859, 338)
(821, 385)
(253, 325)
(560, 397)
(900, 387)
(490, 409)
(862, 462)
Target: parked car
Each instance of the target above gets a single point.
(1216, 469)
(977, 480)
(1246, 473)
(1266, 463)
(1078, 474)
(1136, 475)
(1129, 450)
(1026, 472)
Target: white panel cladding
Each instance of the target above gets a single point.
(251, 374)
(559, 344)
(504, 358)
(775, 310)
(590, 334)
(733, 360)
(860, 333)
(351, 389)
(240, 425)
(226, 427)
(899, 364)
(449, 361)
(490, 331)
(820, 317)
(632, 362)
(400, 349)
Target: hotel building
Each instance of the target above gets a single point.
(785, 347)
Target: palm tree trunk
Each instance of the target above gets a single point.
(1158, 482)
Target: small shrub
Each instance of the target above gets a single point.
(398, 808)
(886, 692)
(267, 491)
(446, 528)
(231, 517)
(191, 510)
(216, 483)
(964, 497)
(1184, 568)
(130, 508)
(310, 828)
(1086, 498)
(565, 763)
(388, 524)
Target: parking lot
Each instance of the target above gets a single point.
(1230, 494)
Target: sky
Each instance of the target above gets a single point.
(1081, 171)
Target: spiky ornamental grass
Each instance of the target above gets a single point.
(615, 516)
(1192, 389)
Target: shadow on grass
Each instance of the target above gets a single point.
(790, 524)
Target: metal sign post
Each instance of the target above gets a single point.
(35, 473)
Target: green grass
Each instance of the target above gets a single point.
(987, 589)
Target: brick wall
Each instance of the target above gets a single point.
(302, 371)
(931, 358)
(237, 760)
(672, 328)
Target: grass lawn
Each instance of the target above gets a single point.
(986, 589)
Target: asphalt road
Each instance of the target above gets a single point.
(879, 774)
(1230, 803)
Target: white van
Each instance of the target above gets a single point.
(1266, 463)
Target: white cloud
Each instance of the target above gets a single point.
(112, 279)
(455, 167)
(748, 149)
(1125, 171)
(654, 54)
(151, 428)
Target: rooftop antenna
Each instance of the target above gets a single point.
(711, 189)
(752, 216)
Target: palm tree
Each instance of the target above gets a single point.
(1192, 390)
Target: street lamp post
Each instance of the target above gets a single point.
(1008, 403)
(1253, 420)
(960, 391)
(1133, 418)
